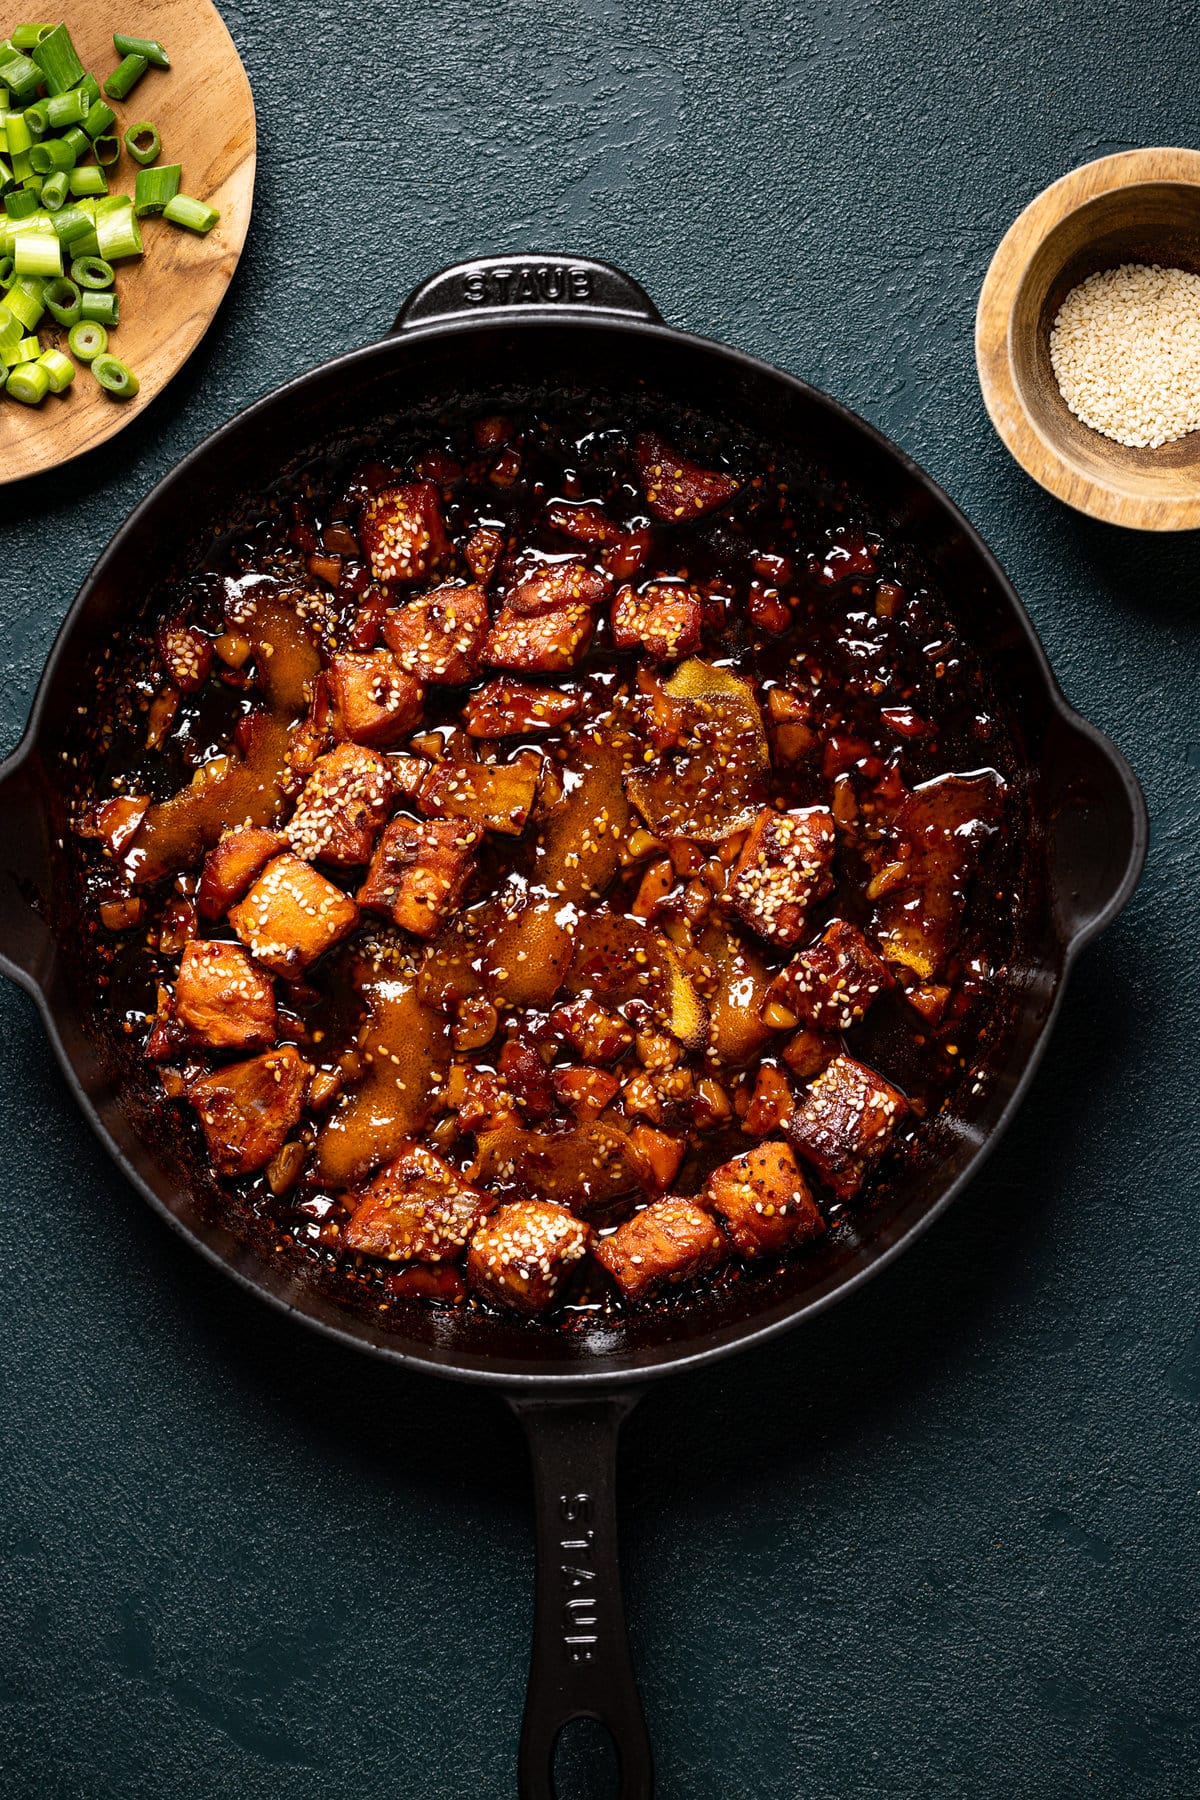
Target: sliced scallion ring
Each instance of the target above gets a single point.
(143, 143)
(87, 340)
(114, 377)
(92, 272)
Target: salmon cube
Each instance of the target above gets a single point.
(420, 872)
(595, 1034)
(783, 868)
(583, 1091)
(669, 1241)
(809, 1052)
(482, 1101)
(527, 1079)
(676, 488)
(186, 655)
(544, 645)
(232, 864)
(403, 533)
(514, 708)
(292, 915)
(407, 772)
(116, 821)
(764, 1200)
(439, 638)
(418, 1208)
(247, 1109)
(831, 984)
(659, 1154)
(771, 1103)
(483, 550)
(344, 803)
(372, 700)
(224, 1000)
(523, 1253)
(846, 1123)
(492, 796)
(665, 620)
(555, 586)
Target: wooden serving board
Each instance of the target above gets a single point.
(204, 112)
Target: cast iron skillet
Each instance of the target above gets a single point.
(474, 334)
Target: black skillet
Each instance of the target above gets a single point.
(475, 334)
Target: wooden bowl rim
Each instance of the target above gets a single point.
(1018, 429)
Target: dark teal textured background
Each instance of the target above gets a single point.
(942, 1544)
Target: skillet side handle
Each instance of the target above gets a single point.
(1098, 829)
(580, 1666)
(544, 287)
(26, 940)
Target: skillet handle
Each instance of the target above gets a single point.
(1098, 827)
(26, 941)
(580, 1666)
(541, 287)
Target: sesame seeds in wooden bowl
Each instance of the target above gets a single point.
(1126, 348)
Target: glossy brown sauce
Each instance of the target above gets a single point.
(876, 697)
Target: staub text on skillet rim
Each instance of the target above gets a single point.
(469, 327)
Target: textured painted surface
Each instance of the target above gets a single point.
(942, 1543)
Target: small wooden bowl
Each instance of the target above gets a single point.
(1141, 206)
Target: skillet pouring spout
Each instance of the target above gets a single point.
(27, 940)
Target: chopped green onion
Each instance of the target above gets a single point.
(114, 377)
(143, 143)
(118, 233)
(154, 187)
(105, 309)
(20, 204)
(19, 75)
(65, 109)
(79, 141)
(17, 133)
(55, 57)
(150, 48)
(37, 117)
(125, 77)
(29, 384)
(21, 165)
(193, 214)
(27, 350)
(51, 154)
(24, 37)
(89, 87)
(87, 340)
(35, 253)
(7, 270)
(75, 231)
(54, 190)
(100, 119)
(62, 301)
(58, 367)
(108, 149)
(24, 299)
(10, 328)
(92, 272)
(87, 181)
